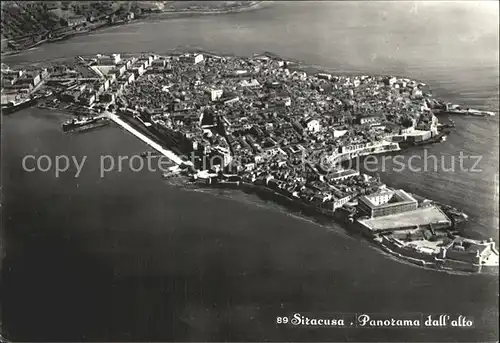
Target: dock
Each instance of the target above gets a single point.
(171, 155)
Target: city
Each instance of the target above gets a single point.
(269, 126)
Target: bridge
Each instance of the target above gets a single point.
(172, 156)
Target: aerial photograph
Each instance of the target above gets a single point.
(247, 171)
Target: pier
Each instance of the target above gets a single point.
(173, 157)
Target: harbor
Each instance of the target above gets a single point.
(134, 224)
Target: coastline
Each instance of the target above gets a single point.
(306, 212)
(258, 253)
(313, 212)
(164, 15)
(167, 14)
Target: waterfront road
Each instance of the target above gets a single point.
(172, 156)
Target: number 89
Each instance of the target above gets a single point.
(281, 320)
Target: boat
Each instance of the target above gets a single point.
(440, 137)
(479, 113)
(458, 110)
(150, 154)
(14, 106)
(84, 123)
(170, 174)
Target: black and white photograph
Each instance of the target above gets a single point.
(249, 171)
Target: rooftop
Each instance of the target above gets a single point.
(387, 197)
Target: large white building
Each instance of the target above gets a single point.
(387, 202)
(215, 94)
(192, 58)
(313, 125)
(108, 60)
(198, 58)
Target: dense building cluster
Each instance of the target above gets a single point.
(270, 122)
(262, 118)
(265, 123)
(27, 23)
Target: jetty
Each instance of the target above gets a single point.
(168, 153)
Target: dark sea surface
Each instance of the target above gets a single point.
(128, 257)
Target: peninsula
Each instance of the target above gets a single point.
(266, 125)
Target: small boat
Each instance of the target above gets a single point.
(457, 109)
(480, 113)
(83, 123)
(443, 139)
(14, 106)
(150, 154)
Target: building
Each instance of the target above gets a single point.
(34, 78)
(324, 76)
(138, 71)
(369, 120)
(390, 81)
(68, 17)
(231, 100)
(412, 135)
(198, 58)
(341, 201)
(251, 84)
(159, 64)
(220, 156)
(8, 98)
(339, 133)
(428, 122)
(344, 174)
(117, 71)
(87, 98)
(146, 61)
(352, 147)
(107, 97)
(5, 43)
(386, 202)
(108, 60)
(10, 76)
(44, 73)
(193, 59)
(23, 85)
(76, 20)
(127, 63)
(70, 96)
(215, 94)
(281, 100)
(313, 125)
(470, 251)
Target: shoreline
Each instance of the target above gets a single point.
(312, 211)
(299, 210)
(164, 15)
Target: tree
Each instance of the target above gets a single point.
(407, 122)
